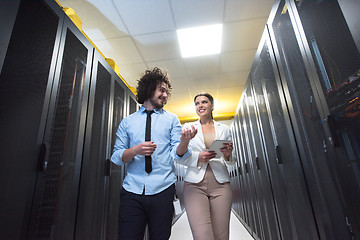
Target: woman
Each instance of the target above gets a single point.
(207, 191)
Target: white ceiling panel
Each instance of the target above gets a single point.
(176, 68)
(158, 46)
(99, 21)
(142, 17)
(203, 85)
(176, 97)
(190, 13)
(204, 66)
(233, 79)
(179, 85)
(237, 61)
(239, 10)
(243, 35)
(131, 73)
(121, 50)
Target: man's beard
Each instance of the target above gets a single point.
(156, 104)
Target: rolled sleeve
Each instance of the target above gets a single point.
(121, 144)
(175, 140)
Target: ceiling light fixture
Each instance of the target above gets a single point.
(199, 41)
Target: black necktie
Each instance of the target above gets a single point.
(148, 166)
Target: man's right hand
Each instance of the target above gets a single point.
(145, 148)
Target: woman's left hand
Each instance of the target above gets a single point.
(226, 150)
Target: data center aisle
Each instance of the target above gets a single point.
(181, 229)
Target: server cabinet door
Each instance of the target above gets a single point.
(300, 85)
(268, 215)
(117, 173)
(237, 205)
(25, 85)
(91, 220)
(55, 202)
(244, 191)
(294, 210)
(252, 194)
(298, 204)
(241, 170)
(335, 61)
(251, 156)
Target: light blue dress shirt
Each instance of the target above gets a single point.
(165, 133)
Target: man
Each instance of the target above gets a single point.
(149, 186)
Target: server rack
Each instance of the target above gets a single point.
(306, 119)
(100, 182)
(61, 104)
(26, 84)
(333, 64)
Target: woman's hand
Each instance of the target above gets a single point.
(205, 156)
(226, 150)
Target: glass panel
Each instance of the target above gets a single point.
(94, 187)
(117, 173)
(60, 180)
(133, 106)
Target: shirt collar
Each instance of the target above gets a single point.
(142, 110)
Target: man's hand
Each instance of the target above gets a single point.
(145, 149)
(188, 134)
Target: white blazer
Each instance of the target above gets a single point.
(195, 173)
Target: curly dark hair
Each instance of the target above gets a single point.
(149, 81)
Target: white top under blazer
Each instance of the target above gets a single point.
(195, 173)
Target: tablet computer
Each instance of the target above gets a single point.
(216, 145)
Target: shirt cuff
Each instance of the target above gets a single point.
(186, 155)
(117, 157)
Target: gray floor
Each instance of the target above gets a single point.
(181, 229)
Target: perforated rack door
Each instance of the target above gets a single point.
(25, 86)
(55, 202)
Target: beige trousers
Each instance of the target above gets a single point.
(208, 207)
